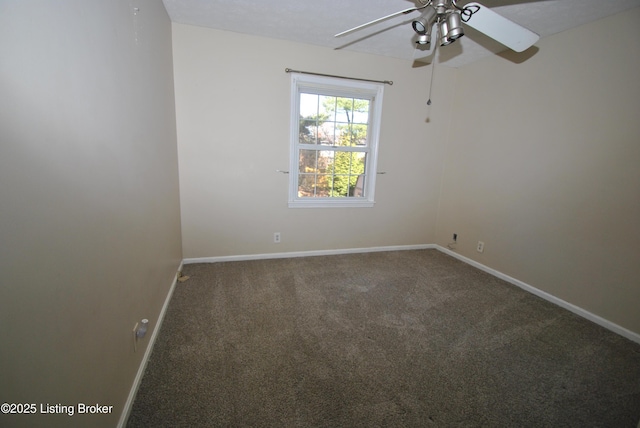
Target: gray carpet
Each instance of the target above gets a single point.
(393, 339)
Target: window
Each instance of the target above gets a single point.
(334, 141)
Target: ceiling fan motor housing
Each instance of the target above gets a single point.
(442, 6)
(449, 22)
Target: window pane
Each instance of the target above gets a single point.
(348, 166)
(327, 134)
(308, 105)
(351, 135)
(359, 134)
(333, 121)
(306, 185)
(308, 161)
(327, 107)
(344, 110)
(357, 174)
(331, 173)
(361, 111)
(325, 161)
(358, 189)
(314, 185)
(358, 160)
(308, 131)
(343, 134)
(323, 185)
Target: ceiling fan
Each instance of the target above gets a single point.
(442, 20)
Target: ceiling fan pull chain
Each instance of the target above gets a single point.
(433, 69)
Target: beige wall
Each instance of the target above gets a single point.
(543, 165)
(232, 108)
(89, 214)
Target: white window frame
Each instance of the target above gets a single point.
(342, 88)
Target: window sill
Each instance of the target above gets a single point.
(331, 204)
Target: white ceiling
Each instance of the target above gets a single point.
(315, 22)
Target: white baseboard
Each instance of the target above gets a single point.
(635, 337)
(145, 358)
(306, 253)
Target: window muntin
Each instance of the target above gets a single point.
(334, 142)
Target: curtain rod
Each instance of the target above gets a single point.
(386, 82)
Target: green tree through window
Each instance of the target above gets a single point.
(336, 122)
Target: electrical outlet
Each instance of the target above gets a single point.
(480, 246)
(276, 237)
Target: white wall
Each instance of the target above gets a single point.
(89, 205)
(544, 167)
(232, 108)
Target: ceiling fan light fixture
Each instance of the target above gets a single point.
(419, 26)
(423, 24)
(423, 39)
(444, 31)
(454, 24)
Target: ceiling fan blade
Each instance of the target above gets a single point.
(375, 21)
(501, 29)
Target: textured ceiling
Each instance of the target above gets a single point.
(315, 22)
